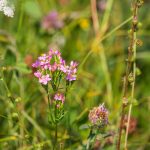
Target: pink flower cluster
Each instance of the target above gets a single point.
(99, 115)
(48, 63)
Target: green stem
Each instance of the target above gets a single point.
(56, 126)
(132, 92)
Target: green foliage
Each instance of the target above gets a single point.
(23, 101)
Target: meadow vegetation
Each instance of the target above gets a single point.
(74, 75)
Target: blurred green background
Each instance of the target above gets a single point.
(69, 28)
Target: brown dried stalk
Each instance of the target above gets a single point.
(130, 72)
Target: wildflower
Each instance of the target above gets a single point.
(36, 64)
(44, 79)
(84, 24)
(38, 74)
(71, 71)
(3, 3)
(6, 8)
(52, 21)
(59, 97)
(99, 115)
(8, 11)
(52, 62)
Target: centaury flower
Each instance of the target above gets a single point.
(48, 64)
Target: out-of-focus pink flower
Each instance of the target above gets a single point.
(101, 5)
(52, 21)
(132, 124)
(99, 115)
(59, 97)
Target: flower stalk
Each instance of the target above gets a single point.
(53, 73)
(130, 75)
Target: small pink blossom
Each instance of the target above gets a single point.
(59, 97)
(71, 71)
(38, 74)
(71, 77)
(44, 79)
(36, 64)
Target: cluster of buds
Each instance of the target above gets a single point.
(98, 116)
(52, 65)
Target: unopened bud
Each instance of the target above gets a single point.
(130, 78)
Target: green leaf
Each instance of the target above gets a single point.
(32, 8)
(135, 102)
(84, 126)
(22, 67)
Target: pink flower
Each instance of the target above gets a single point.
(36, 64)
(99, 115)
(63, 68)
(73, 64)
(59, 97)
(51, 62)
(71, 77)
(71, 71)
(38, 74)
(52, 21)
(54, 67)
(44, 79)
(43, 57)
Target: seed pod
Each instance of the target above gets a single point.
(130, 78)
(139, 42)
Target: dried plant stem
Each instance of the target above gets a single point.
(132, 94)
(99, 46)
(130, 69)
(95, 17)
